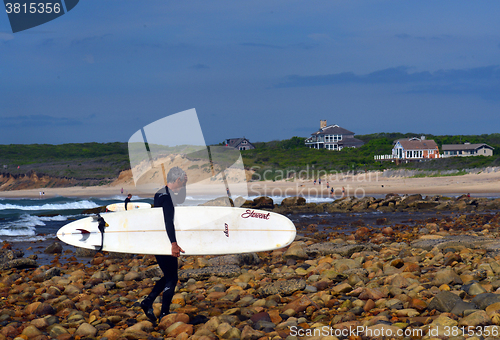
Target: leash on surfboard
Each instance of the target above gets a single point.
(101, 226)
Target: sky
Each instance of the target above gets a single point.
(264, 70)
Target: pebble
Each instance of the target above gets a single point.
(403, 280)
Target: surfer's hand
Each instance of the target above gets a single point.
(176, 250)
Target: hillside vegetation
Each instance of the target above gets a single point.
(100, 163)
(88, 163)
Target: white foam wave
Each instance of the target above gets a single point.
(53, 218)
(25, 239)
(85, 204)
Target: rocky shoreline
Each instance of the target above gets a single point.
(437, 279)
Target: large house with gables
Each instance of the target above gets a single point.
(415, 149)
(239, 143)
(332, 137)
(467, 149)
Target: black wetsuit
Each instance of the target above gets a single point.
(168, 264)
(127, 201)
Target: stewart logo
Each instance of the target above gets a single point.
(252, 213)
(226, 230)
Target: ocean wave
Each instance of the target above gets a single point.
(22, 238)
(53, 218)
(85, 204)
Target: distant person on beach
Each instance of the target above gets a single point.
(122, 191)
(127, 200)
(166, 198)
(343, 191)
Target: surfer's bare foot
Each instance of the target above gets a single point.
(148, 310)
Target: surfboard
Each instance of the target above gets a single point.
(199, 231)
(130, 206)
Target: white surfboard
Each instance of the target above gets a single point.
(130, 206)
(199, 231)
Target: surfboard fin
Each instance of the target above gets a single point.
(85, 234)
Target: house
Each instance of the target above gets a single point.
(467, 149)
(332, 137)
(239, 143)
(415, 149)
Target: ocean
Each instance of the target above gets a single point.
(38, 219)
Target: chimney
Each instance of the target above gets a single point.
(422, 138)
(322, 124)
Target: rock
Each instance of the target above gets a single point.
(54, 248)
(249, 333)
(485, 299)
(295, 252)
(446, 276)
(85, 330)
(57, 330)
(179, 328)
(321, 249)
(292, 201)
(31, 332)
(263, 202)
(237, 259)
(286, 287)
(205, 273)
(462, 306)
(19, 264)
(444, 301)
(479, 318)
(298, 305)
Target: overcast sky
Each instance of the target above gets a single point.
(265, 70)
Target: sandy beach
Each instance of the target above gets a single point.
(371, 183)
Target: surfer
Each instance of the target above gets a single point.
(166, 198)
(127, 200)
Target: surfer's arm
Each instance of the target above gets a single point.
(168, 216)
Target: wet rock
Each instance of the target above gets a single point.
(54, 248)
(19, 264)
(263, 202)
(293, 201)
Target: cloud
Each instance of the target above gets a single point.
(199, 67)
(483, 81)
(37, 121)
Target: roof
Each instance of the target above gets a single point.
(333, 130)
(351, 142)
(234, 142)
(417, 144)
(453, 147)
